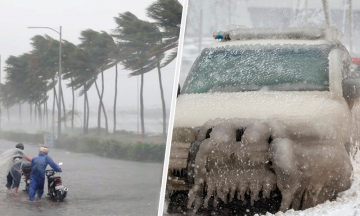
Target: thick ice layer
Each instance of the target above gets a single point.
(221, 183)
(346, 204)
(328, 117)
(237, 156)
(314, 173)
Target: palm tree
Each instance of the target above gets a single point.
(79, 70)
(45, 57)
(115, 96)
(162, 96)
(167, 14)
(83, 65)
(24, 83)
(67, 70)
(14, 88)
(133, 38)
(116, 56)
(99, 47)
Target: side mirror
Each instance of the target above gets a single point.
(351, 88)
(61, 163)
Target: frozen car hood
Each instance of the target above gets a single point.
(314, 112)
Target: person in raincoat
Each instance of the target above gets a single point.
(14, 176)
(37, 175)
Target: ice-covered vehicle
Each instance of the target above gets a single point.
(264, 110)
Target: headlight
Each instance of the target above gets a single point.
(184, 135)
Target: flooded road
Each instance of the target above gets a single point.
(97, 186)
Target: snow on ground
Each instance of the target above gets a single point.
(347, 203)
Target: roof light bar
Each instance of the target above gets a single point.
(221, 35)
(307, 33)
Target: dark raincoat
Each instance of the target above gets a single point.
(37, 175)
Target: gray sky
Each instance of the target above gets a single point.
(75, 16)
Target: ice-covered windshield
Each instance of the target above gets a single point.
(254, 68)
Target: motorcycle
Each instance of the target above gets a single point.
(26, 170)
(56, 189)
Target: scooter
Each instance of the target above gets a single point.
(56, 189)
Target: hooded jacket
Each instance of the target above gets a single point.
(39, 163)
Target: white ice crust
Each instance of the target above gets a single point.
(346, 204)
(312, 112)
(268, 42)
(323, 114)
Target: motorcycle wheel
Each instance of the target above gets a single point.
(51, 193)
(60, 196)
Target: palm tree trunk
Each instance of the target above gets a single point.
(57, 105)
(20, 112)
(73, 105)
(142, 106)
(35, 111)
(46, 114)
(115, 97)
(8, 114)
(162, 100)
(40, 116)
(30, 113)
(99, 110)
(56, 99)
(84, 126)
(102, 104)
(87, 114)
(84, 117)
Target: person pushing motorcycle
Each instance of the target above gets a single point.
(37, 175)
(14, 176)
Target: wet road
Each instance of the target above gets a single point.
(97, 186)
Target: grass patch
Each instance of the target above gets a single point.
(111, 148)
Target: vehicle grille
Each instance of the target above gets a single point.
(180, 173)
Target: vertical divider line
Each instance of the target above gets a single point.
(172, 108)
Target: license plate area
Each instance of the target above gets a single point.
(59, 187)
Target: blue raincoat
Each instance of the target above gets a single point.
(37, 175)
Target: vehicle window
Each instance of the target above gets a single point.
(273, 68)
